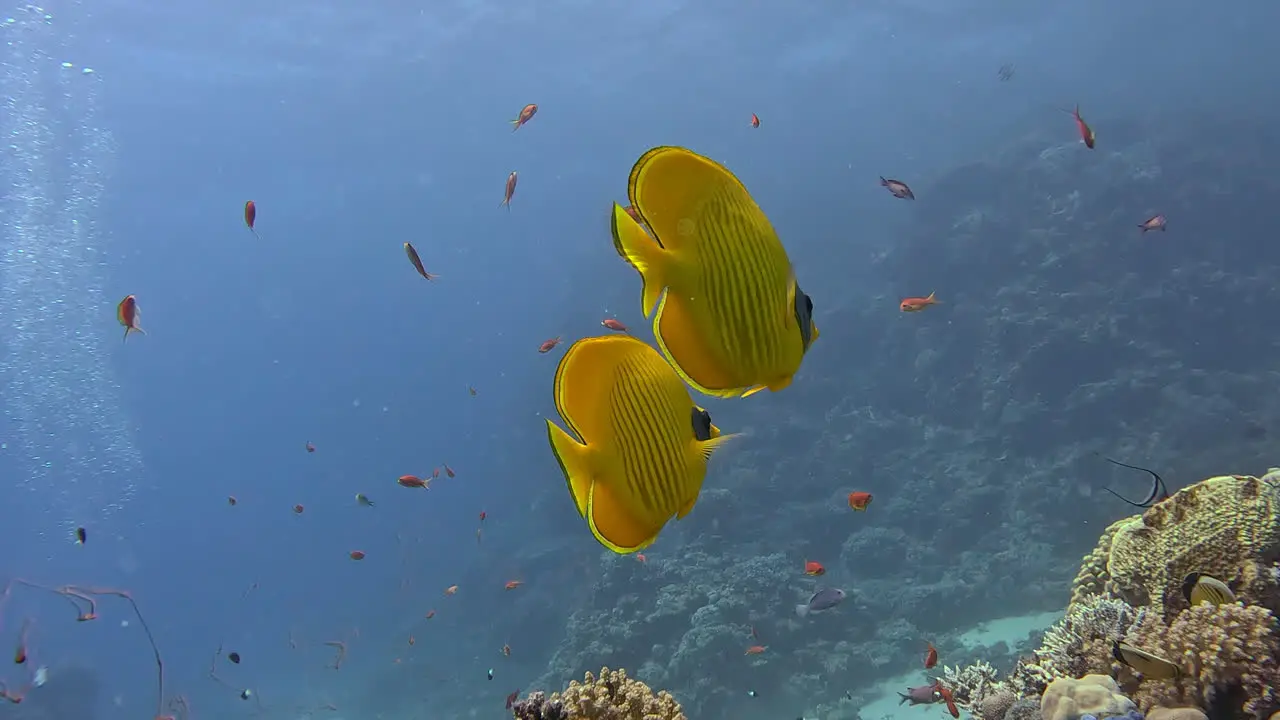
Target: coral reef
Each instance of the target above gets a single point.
(610, 696)
(1130, 588)
(1096, 695)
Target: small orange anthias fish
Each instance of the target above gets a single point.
(930, 657)
(513, 584)
(548, 345)
(449, 471)
(435, 473)
(916, 304)
(946, 696)
(1153, 223)
(897, 188)
(411, 640)
(251, 216)
(754, 650)
(613, 325)
(129, 316)
(451, 590)
(506, 650)
(1086, 132)
(483, 515)
(356, 554)
(755, 120)
(526, 115)
(413, 481)
(511, 190)
(310, 448)
(641, 558)
(297, 509)
(417, 262)
(814, 568)
(859, 500)
(430, 614)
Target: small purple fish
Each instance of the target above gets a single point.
(898, 188)
(1153, 223)
(822, 600)
(923, 695)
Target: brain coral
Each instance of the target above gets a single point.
(1228, 527)
(611, 696)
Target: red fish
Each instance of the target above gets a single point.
(814, 568)
(513, 584)
(251, 216)
(511, 190)
(755, 650)
(310, 448)
(413, 481)
(613, 325)
(356, 554)
(129, 316)
(946, 696)
(1153, 223)
(526, 114)
(897, 188)
(506, 651)
(1086, 132)
(435, 473)
(916, 304)
(430, 614)
(931, 657)
(859, 500)
(483, 515)
(448, 470)
(755, 120)
(417, 262)
(548, 345)
(511, 699)
(640, 558)
(297, 509)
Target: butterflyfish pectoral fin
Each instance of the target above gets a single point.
(615, 524)
(642, 253)
(574, 461)
(707, 447)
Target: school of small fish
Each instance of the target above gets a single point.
(729, 319)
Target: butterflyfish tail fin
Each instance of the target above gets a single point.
(640, 251)
(573, 458)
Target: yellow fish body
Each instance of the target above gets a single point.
(644, 443)
(732, 321)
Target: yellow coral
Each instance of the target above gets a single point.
(1069, 699)
(1215, 526)
(1092, 578)
(614, 696)
(1216, 646)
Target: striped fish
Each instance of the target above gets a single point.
(1199, 588)
(642, 444)
(732, 320)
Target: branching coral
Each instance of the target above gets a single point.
(611, 696)
(972, 684)
(1222, 649)
(1078, 644)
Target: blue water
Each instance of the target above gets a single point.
(135, 133)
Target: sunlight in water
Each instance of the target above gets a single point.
(75, 451)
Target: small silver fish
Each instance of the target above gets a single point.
(42, 676)
(1156, 222)
(824, 599)
(923, 695)
(898, 188)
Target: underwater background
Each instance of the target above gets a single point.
(134, 134)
